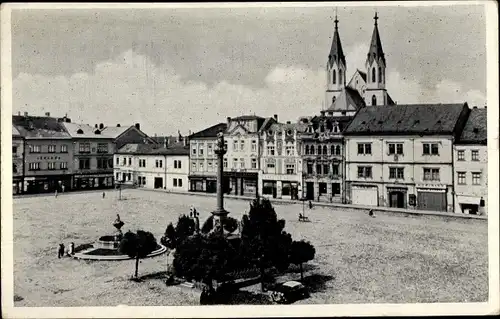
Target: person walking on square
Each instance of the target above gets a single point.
(370, 213)
(63, 188)
(310, 205)
(60, 252)
(55, 193)
(103, 194)
(71, 250)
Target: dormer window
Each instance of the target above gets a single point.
(322, 128)
(289, 132)
(475, 130)
(80, 131)
(336, 128)
(270, 132)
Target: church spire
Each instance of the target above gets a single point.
(375, 52)
(336, 52)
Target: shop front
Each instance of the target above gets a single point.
(17, 185)
(431, 199)
(94, 181)
(397, 197)
(469, 204)
(206, 184)
(242, 183)
(47, 184)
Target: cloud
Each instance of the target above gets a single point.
(132, 89)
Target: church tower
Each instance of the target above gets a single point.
(376, 93)
(335, 69)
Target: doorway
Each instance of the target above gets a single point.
(397, 199)
(310, 190)
(158, 182)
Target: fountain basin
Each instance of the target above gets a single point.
(94, 252)
(107, 242)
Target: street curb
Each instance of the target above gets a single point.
(376, 209)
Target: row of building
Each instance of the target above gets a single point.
(362, 148)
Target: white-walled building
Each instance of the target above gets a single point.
(470, 160)
(402, 155)
(153, 166)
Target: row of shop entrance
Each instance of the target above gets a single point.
(288, 189)
(322, 190)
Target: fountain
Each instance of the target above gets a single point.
(106, 247)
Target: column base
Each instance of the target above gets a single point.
(220, 212)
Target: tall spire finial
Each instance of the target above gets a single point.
(336, 20)
(376, 17)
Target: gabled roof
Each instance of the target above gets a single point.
(336, 52)
(247, 118)
(85, 131)
(363, 75)
(39, 127)
(346, 98)
(421, 119)
(475, 130)
(115, 131)
(15, 132)
(152, 149)
(375, 52)
(210, 132)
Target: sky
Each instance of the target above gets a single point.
(187, 69)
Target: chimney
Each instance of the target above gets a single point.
(165, 142)
(25, 114)
(118, 125)
(95, 126)
(228, 120)
(276, 117)
(184, 140)
(47, 114)
(189, 133)
(288, 122)
(18, 113)
(138, 126)
(475, 107)
(101, 126)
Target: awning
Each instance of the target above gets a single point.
(468, 200)
(430, 190)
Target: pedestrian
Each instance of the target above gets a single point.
(60, 252)
(63, 187)
(71, 250)
(370, 213)
(310, 205)
(103, 194)
(56, 193)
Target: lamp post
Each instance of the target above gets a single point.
(220, 213)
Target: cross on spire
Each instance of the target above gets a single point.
(376, 17)
(336, 20)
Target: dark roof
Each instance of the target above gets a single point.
(152, 149)
(39, 126)
(247, 118)
(209, 132)
(375, 52)
(348, 96)
(363, 75)
(343, 121)
(421, 119)
(336, 52)
(475, 130)
(390, 101)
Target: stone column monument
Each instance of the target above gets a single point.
(220, 213)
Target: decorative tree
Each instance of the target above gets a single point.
(185, 227)
(263, 241)
(301, 252)
(169, 238)
(137, 245)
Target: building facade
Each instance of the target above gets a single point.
(17, 161)
(153, 166)
(470, 160)
(48, 153)
(402, 155)
(203, 161)
(281, 162)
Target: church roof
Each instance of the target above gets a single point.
(363, 75)
(375, 52)
(421, 119)
(348, 100)
(336, 52)
(210, 132)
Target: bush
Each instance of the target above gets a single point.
(137, 245)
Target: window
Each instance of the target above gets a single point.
(129, 161)
(319, 149)
(476, 178)
(337, 150)
(379, 75)
(193, 149)
(318, 169)
(235, 162)
(14, 150)
(395, 148)
(290, 150)
(254, 146)
(141, 180)
(51, 166)
(430, 149)
(461, 178)
(326, 169)
(179, 182)
(117, 161)
(102, 147)
(210, 149)
(210, 166)
(84, 163)
(309, 168)
(64, 148)
(175, 182)
(325, 150)
(270, 165)
(270, 150)
(124, 162)
(102, 163)
(242, 145)
(431, 174)
(475, 155)
(254, 163)
(235, 146)
(52, 148)
(34, 148)
(202, 166)
(335, 169)
(461, 155)
(374, 79)
(179, 164)
(374, 98)
(193, 166)
(290, 169)
(307, 150)
(34, 166)
(332, 149)
(142, 163)
(340, 77)
(242, 162)
(159, 163)
(364, 148)
(312, 150)
(14, 168)
(84, 147)
(63, 165)
(334, 77)
(364, 172)
(225, 163)
(396, 173)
